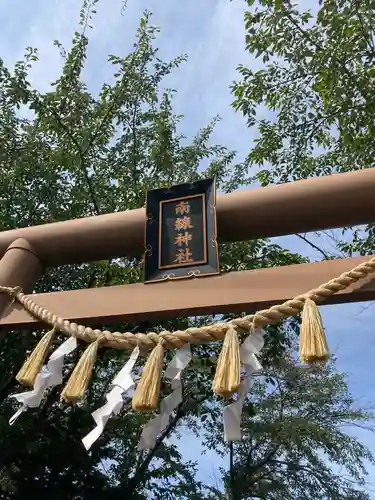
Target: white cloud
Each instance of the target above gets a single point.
(211, 33)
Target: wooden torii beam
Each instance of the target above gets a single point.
(309, 205)
(239, 291)
(314, 204)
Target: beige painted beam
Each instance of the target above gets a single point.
(232, 292)
(308, 205)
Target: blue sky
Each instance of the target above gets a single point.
(211, 33)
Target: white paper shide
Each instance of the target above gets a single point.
(123, 382)
(50, 375)
(232, 413)
(173, 372)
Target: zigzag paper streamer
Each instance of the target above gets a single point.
(50, 375)
(174, 370)
(123, 382)
(232, 413)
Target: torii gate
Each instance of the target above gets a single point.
(314, 204)
(329, 202)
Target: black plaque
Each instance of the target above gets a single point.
(180, 237)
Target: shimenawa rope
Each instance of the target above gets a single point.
(313, 345)
(176, 339)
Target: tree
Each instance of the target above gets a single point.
(316, 85)
(317, 82)
(294, 427)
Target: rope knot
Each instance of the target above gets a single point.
(101, 339)
(257, 321)
(163, 341)
(55, 328)
(13, 291)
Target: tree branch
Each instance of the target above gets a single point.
(322, 252)
(232, 474)
(367, 38)
(317, 45)
(81, 155)
(182, 410)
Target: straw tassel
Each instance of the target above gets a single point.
(313, 343)
(79, 380)
(146, 395)
(227, 377)
(33, 364)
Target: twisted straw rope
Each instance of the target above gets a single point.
(176, 339)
